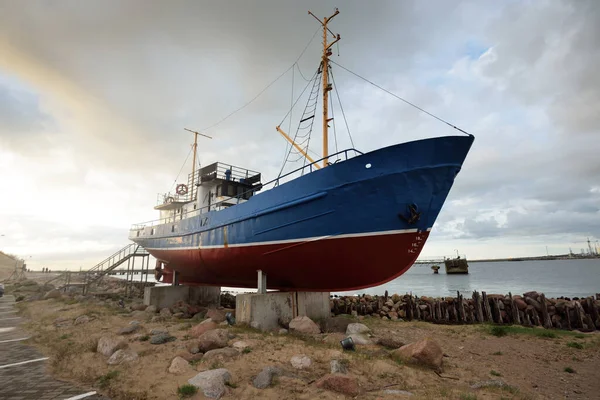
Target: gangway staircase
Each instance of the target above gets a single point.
(127, 254)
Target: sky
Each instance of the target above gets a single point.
(95, 96)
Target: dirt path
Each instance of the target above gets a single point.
(23, 374)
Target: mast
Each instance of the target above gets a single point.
(195, 146)
(326, 84)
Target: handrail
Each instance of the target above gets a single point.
(97, 266)
(141, 225)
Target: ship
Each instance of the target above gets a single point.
(456, 265)
(349, 220)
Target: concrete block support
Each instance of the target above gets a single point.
(273, 309)
(166, 296)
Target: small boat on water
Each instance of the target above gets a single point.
(350, 220)
(456, 265)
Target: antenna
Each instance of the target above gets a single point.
(194, 161)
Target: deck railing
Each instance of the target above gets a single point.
(346, 154)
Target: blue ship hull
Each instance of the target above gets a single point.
(351, 225)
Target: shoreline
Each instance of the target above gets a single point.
(68, 328)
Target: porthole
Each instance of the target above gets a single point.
(368, 166)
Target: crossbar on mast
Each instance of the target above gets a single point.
(326, 84)
(194, 160)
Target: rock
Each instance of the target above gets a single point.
(217, 316)
(179, 315)
(212, 382)
(393, 315)
(199, 316)
(556, 320)
(203, 327)
(190, 357)
(139, 315)
(157, 318)
(165, 312)
(357, 338)
(53, 294)
(303, 324)
(532, 294)
(357, 328)
(339, 383)
(159, 332)
(82, 319)
(283, 331)
(129, 329)
(179, 366)
(214, 339)
(534, 303)
(265, 377)
(107, 345)
(425, 352)
(300, 361)
(225, 354)
(138, 307)
(390, 342)
(151, 309)
(122, 356)
(255, 325)
(134, 322)
(240, 345)
(521, 305)
(389, 303)
(338, 366)
(161, 338)
(193, 348)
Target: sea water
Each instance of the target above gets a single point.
(554, 278)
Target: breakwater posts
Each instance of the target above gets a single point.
(530, 309)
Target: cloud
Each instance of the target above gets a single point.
(94, 98)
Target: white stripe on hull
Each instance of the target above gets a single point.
(309, 239)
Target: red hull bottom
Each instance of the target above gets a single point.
(338, 264)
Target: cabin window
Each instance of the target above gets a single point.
(138, 234)
(194, 206)
(152, 231)
(172, 228)
(218, 190)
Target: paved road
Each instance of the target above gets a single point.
(23, 380)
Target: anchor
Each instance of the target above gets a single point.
(414, 216)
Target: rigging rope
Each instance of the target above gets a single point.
(310, 105)
(300, 96)
(400, 98)
(183, 165)
(251, 101)
(342, 108)
(268, 86)
(334, 130)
